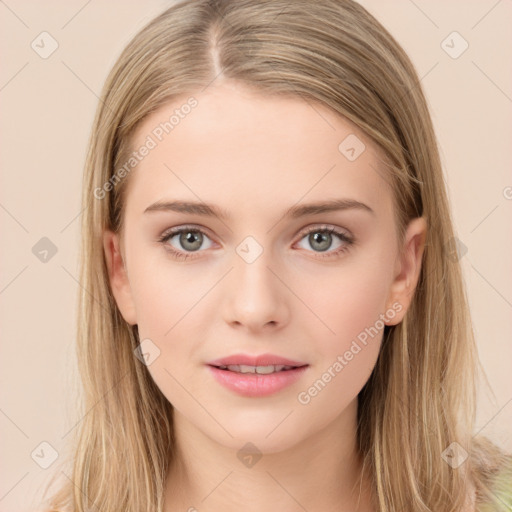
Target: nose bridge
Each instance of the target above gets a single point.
(256, 296)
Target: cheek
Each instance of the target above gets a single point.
(349, 299)
(337, 316)
(165, 296)
(173, 312)
(351, 302)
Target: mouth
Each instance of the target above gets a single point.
(260, 370)
(256, 380)
(262, 363)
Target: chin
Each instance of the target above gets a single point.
(249, 439)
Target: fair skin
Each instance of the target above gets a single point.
(254, 157)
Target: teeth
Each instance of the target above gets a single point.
(263, 370)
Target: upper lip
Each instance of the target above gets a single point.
(259, 360)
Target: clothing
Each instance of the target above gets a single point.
(501, 492)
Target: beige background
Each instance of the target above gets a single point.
(47, 110)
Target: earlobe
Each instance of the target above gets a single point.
(408, 268)
(118, 276)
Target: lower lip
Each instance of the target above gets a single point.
(255, 384)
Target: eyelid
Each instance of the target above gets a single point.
(303, 232)
(171, 232)
(326, 227)
(342, 233)
(183, 227)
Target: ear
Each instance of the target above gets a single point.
(118, 276)
(407, 269)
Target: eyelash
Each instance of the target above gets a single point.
(179, 255)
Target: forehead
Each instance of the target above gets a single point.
(241, 148)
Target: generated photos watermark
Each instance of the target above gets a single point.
(361, 341)
(156, 136)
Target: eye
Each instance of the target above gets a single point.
(321, 239)
(188, 238)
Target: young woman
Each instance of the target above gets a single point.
(272, 316)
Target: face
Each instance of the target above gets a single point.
(264, 273)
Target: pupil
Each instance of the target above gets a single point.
(191, 237)
(321, 238)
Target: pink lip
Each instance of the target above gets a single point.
(260, 360)
(253, 384)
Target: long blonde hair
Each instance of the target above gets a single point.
(421, 395)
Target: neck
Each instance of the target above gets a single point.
(322, 472)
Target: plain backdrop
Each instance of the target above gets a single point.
(47, 108)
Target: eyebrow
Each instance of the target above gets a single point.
(200, 208)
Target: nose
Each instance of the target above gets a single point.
(256, 297)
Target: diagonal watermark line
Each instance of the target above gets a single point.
(432, 431)
(292, 497)
(304, 195)
(14, 76)
(84, 289)
(13, 279)
(81, 490)
(300, 300)
(419, 81)
(170, 329)
(73, 219)
(2, 2)
(326, 121)
(277, 15)
(217, 486)
(106, 106)
(510, 304)
(104, 395)
(14, 423)
(491, 80)
(14, 485)
(484, 218)
(424, 14)
(280, 423)
(491, 9)
(80, 79)
(199, 403)
(502, 502)
(76, 14)
(211, 82)
(13, 217)
(501, 408)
